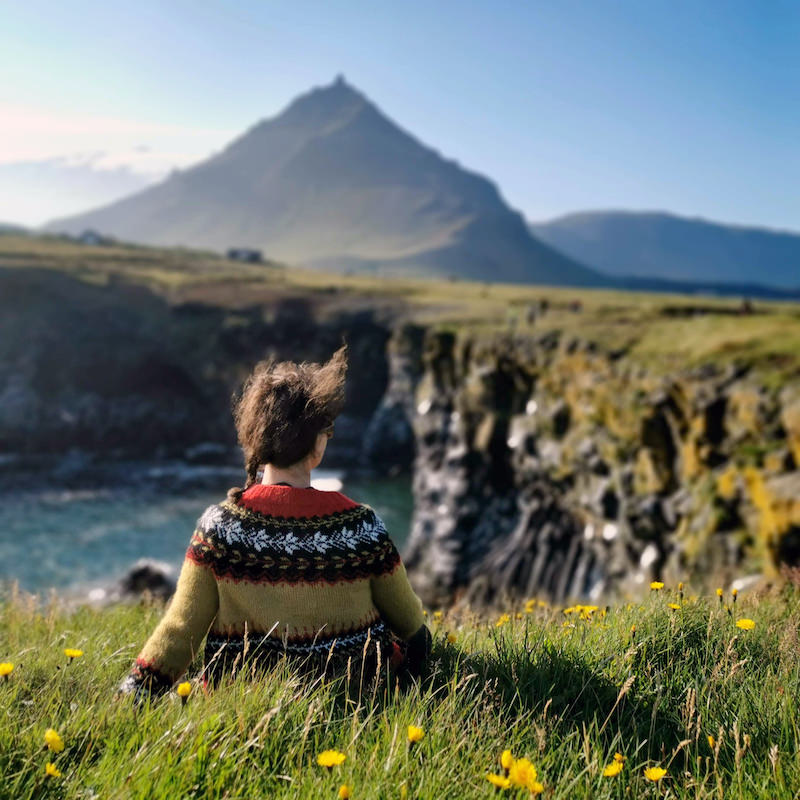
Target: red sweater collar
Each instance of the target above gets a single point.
(289, 501)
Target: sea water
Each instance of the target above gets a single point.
(58, 537)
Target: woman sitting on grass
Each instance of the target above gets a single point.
(281, 568)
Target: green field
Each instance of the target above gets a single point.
(664, 332)
(565, 689)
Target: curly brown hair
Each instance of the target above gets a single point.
(282, 409)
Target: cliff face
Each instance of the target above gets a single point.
(547, 467)
(119, 371)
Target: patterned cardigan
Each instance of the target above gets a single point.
(284, 570)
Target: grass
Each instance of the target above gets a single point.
(663, 332)
(565, 690)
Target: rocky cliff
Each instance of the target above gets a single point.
(547, 467)
(115, 370)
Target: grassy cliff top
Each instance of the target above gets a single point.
(664, 332)
(684, 690)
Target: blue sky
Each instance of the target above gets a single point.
(691, 107)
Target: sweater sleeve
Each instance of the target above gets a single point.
(177, 637)
(392, 594)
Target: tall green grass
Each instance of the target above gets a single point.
(566, 691)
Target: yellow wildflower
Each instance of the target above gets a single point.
(506, 759)
(657, 585)
(330, 758)
(451, 638)
(184, 689)
(498, 780)
(71, 652)
(712, 742)
(619, 757)
(613, 769)
(502, 619)
(415, 734)
(719, 594)
(735, 593)
(523, 773)
(437, 615)
(745, 624)
(51, 770)
(344, 792)
(655, 774)
(529, 606)
(6, 668)
(53, 740)
(673, 606)
(680, 586)
(570, 610)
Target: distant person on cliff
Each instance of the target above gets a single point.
(281, 568)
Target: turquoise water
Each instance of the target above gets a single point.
(54, 537)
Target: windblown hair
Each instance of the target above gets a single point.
(282, 409)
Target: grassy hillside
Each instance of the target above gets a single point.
(662, 332)
(682, 689)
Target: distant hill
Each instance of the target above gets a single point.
(33, 191)
(656, 247)
(332, 182)
(10, 227)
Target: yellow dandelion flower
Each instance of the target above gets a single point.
(523, 773)
(437, 615)
(71, 652)
(53, 740)
(745, 624)
(657, 585)
(613, 769)
(619, 757)
(655, 774)
(415, 734)
(345, 793)
(501, 620)
(530, 606)
(451, 638)
(51, 770)
(719, 593)
(570, 610)
(633, 630)
(506, 759)
(734, 593)
(184, 689)
(6, 668)
(673, 606)
(712, 742)
(498, 780)
(330, 758)
(680, 586)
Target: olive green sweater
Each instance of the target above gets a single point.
(297, 571)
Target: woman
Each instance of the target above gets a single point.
(283, 569)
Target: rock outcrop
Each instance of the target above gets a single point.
(547, 467)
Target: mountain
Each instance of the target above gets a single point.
(657, 247)
(332, 182)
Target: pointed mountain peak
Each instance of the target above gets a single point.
(324, 103)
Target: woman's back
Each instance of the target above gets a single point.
(281, 568)
(284, 570)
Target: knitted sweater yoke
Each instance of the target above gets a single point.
(298, 571)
